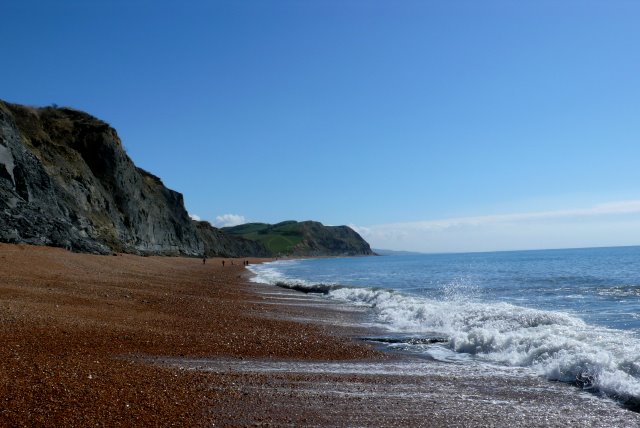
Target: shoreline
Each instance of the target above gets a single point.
(130, 340)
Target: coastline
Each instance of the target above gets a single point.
(160, 341)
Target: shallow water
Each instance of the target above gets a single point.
(567, 315)
(410, 392)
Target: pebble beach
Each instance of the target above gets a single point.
(166, 341)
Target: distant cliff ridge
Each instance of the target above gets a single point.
(307, 238)
(66, 181)
(217, 242)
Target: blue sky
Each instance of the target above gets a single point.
(426, 125)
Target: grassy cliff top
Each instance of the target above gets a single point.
(303, 238)
(280, 238)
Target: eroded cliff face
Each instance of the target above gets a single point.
(65, 180)
(319, 240)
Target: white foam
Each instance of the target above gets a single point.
(268, 273)
(557, 345)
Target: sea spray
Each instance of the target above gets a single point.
(557, 344)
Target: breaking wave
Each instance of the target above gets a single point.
(557, 345)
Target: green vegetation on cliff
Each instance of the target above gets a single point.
(308, 238)
(66, 181)
(279, 238)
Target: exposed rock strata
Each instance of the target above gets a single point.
(66, 181)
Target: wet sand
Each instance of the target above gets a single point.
(152, 341)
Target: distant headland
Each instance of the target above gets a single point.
(66, 181)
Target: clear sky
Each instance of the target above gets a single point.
(426, 125)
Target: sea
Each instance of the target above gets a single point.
(566, 315)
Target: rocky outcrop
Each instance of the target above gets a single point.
(65, 180)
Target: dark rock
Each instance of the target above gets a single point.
(319, 240)
(66, 181)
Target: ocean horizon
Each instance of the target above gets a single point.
(388, 252)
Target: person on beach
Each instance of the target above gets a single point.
(204, 259)
(223, 263)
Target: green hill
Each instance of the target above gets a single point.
(308, 238)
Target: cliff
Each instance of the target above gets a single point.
(307, 238)
(218, 243)
(318, 240)
(66, 181)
